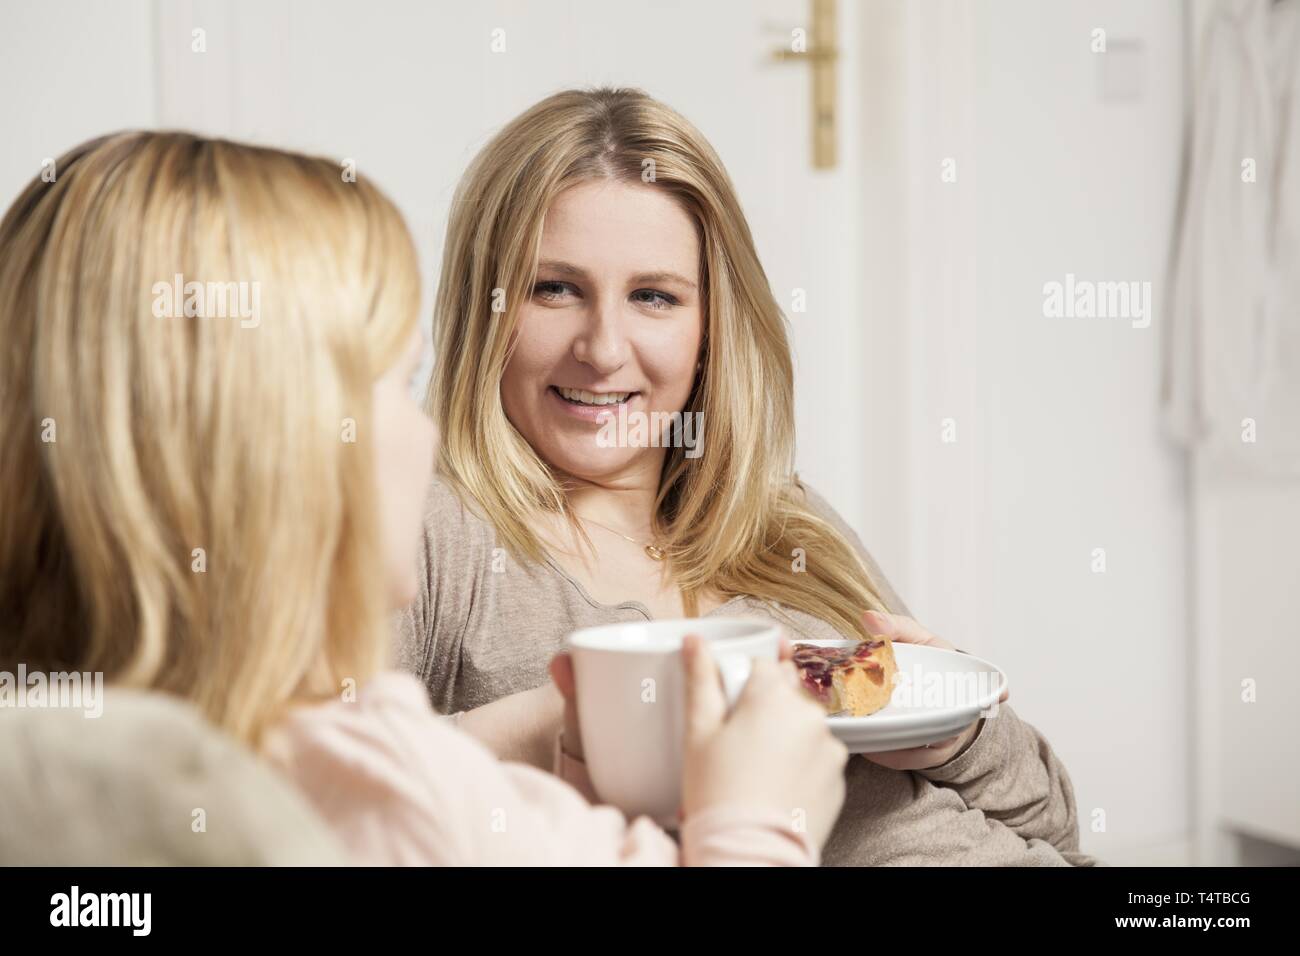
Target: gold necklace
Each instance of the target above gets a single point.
(654, 553)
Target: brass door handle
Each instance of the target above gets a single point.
(821, 56)
(783, 55)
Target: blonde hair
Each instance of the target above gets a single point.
(730, 518)
(181, 511)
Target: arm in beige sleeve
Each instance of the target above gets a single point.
(1009, 770)
(1011, 774)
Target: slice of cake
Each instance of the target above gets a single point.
(853, 681)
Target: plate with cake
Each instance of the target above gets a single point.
(884, 695)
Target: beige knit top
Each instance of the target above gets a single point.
(485, 625)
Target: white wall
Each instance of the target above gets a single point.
(1074, 462)
(70, 71)
(1247, 614)
(1246, 618)
(1057, 447)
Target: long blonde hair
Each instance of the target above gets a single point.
(181, 508)
(732, 518)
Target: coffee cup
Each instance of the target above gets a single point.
(631, 700)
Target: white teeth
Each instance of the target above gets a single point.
(591, 398)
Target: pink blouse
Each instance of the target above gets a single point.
(400, 785)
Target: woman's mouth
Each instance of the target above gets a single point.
(590, 406)
(579, 396)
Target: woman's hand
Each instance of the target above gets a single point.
(773, 751)
(898, 627)
(562, 676)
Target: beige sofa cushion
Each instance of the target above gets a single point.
(149, 782)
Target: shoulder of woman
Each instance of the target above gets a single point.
(455, 549)
(382, 768)
(444, 503)
(452, 522)
(370, 729)
(808, 496)
(355, 709)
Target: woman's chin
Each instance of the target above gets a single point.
(595, 464)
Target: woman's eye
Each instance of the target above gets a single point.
(653, 298)
(551, 290)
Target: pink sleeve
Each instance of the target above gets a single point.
(722, 837)
(400, 786)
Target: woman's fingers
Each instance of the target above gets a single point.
(705, 704)
(917, 758)
(563, 679)
(784, 649)
(562, 675)
(896, 626)
(900, 627)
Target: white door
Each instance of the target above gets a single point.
(412, 90)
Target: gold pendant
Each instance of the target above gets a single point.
(656, 554)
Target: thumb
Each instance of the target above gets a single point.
(896, 626)
(705, 705)
(562, 675)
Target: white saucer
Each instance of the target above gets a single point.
(939, 693)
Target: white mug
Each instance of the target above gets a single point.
(632, 702)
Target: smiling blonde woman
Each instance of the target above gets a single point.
(598, 268)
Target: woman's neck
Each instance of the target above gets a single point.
(625, 503)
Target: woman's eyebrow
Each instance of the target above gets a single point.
(663, 276)
(560, 267)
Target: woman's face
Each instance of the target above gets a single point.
(405, 442)
(613, 326)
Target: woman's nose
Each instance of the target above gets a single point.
(602, 344)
